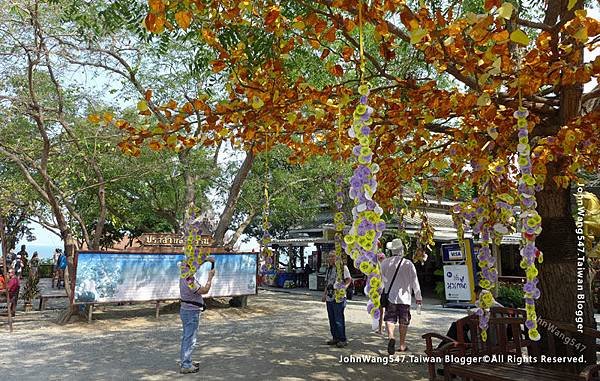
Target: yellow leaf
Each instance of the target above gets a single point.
(155, 146)
(299, 25)
(93, 118)
(224, 132)
(506, 11)
(344, 100)
(291, 117)
(484, 100)
(519, 37)
(417, 35)
(107, 117)
(257, 103)
(142, 106)
(319, 113)
(571, 4)
(428, 118)
(171, 140)
(582, 34)
(183, 19)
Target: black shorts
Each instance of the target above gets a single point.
(397, 313)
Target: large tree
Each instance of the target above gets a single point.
(490, 57)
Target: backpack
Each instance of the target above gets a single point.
(62, 262)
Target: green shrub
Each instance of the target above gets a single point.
(511, 296)
(440, 291)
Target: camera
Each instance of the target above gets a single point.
(330, 290)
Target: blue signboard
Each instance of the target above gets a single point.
(119, 277)
(451, 252)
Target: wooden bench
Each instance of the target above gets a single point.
(507, 336)
(89, 307)
(53, 295)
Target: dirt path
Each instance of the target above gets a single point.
(278, 337)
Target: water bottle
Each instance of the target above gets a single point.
(418, 309)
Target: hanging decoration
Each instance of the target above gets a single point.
(478, 214)
(488, 277)
(363, 238)
(194, 257)
(266, 252)
(338, 219)
(531, 223)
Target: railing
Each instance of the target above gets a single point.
(512, 279)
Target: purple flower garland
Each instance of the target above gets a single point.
(361, 242)
(193, 258)
(531, 223)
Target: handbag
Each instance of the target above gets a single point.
(202, 306)
(384, 300)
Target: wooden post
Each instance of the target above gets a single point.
(90, 311)
(157, 308)
(498, 256)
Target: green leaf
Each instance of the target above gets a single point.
(571, 4)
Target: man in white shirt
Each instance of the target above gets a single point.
(335, 311)
(400, 293)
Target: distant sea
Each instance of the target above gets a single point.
(44, 251)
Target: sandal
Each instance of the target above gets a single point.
(391, 346)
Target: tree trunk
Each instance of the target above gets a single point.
(558, 272)
(70, 248)
(232, 198)
(190, 184)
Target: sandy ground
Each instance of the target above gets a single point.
(280, 336)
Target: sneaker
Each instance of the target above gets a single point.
(194, 363)
(391, 346)
(332, 342)
(341, 344)
(193, 369)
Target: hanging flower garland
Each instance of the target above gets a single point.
(193, 256)
(424, 240)
(531, 223)
(266, 252)
(459, 224)
(361, 243)
(479, 214)
(338, 219)
(488, 279)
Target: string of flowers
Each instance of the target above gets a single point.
(424, 240)
(459, 224)
(266, 252)
(479, 214)
(338, 219)
(531, 223)
(194, 257)
(361, 242)
(488, 279)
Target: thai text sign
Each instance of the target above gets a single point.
(456, 282)
(163, 239)
(122, 277)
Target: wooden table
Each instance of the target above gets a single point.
(506, 372)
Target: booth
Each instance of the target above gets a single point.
(459, 275)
